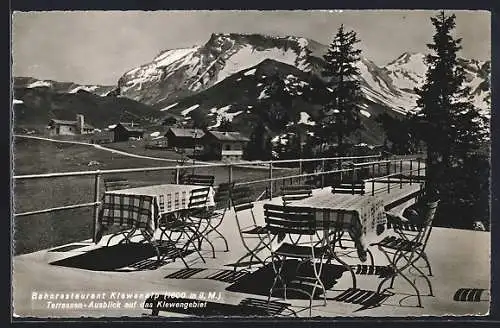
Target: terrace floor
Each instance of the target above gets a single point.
(460, 259)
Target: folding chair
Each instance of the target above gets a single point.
(198, 179)
(243, 208)
(111, 184)
(298, 221)
(403, 251)
(212, 218)
(406, 222)
(184, 226)
(296, 192)
(357, 188)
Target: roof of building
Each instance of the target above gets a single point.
(66, 122)
(131, 127)
(193, 133)
(103, 134)
(228, 136)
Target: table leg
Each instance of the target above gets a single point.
(331, 247)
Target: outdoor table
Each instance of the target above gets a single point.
(141, 208)
(362, 216)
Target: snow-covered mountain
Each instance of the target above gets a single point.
(274, 93)
(175, 74)
(35, 102)
(62, 87)
(179, 72)
(393, 85)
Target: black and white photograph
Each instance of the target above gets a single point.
(260, 164)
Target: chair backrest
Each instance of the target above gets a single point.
(241, 198)
(428, 218)
(296, 192)
(197, 179)
(357, 188)
(290, 219)
(116, 184)
(198, 197)
(222, 196)
(420, 216)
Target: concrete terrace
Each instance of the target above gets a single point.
(459, 258)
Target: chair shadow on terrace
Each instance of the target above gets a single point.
(260, 281)
(119, 257)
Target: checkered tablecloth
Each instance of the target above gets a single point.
(141, 207)
(362, 216)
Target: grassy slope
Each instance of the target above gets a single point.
(48, 230)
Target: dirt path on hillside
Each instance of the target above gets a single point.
(120, 152)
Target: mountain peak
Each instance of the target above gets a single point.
(407, 57)
(257, 39)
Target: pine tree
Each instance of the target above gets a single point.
(259, 147)
(339, 117)
(452, 129)
(449, 121)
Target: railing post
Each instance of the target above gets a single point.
(271, 179)
(177, 173)
(353, 173)
(388, 178)
(230, 172)
(300, 170)
(373, 179)
(411, 170)
(322, 174)
(401, 174)
(96, 206)
(418, 168)
(340, 168)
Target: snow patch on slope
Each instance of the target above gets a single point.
(189, 110)
(171, 56)
(39, 83)
(247, 56)
(169, 106)
(85, 88)
(263, 94)
(365, 113)
(223, 113)
(305, 119)
(250, 72)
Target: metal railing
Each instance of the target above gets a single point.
(400, 175)
(269, 165)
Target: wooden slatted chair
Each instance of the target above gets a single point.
(296, 192)
(297, 221)
(349, 188)
(403, 251)
(250, 232)
(198, 179)
(110, 184)
(116, 184)
(212, 218)
(405, 218)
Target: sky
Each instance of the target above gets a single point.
(97, 47)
